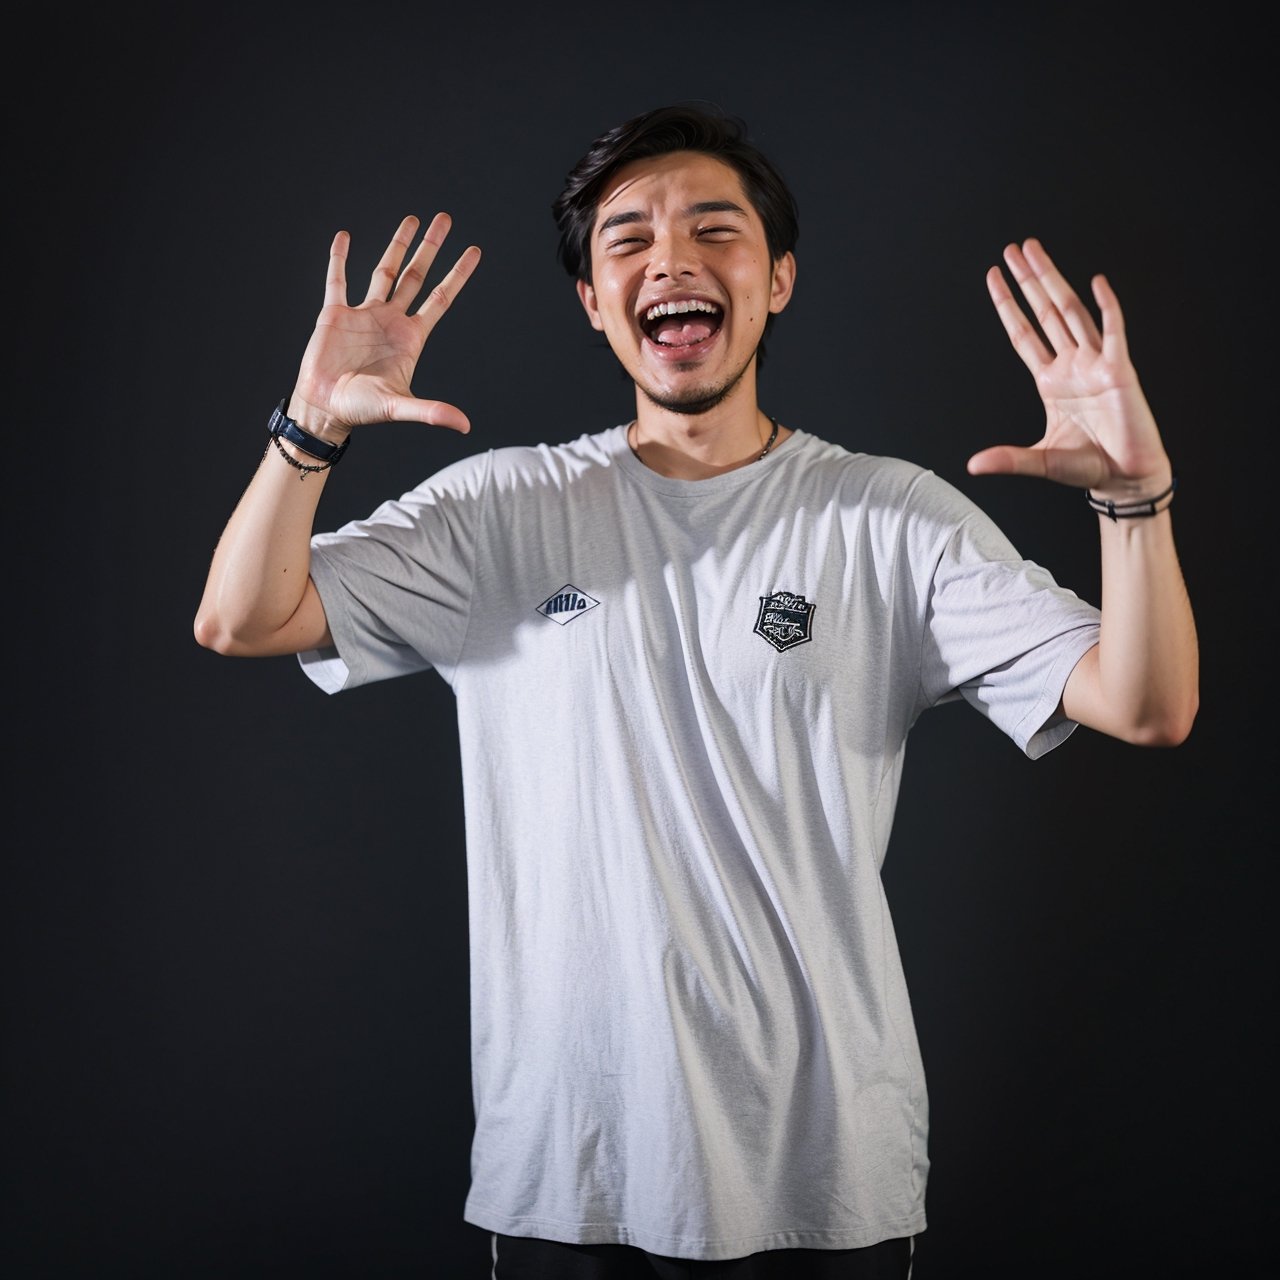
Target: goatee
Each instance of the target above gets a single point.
(697, 400)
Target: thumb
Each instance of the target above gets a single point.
(1006, 459)
(435, 413)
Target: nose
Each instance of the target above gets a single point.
(672, 257)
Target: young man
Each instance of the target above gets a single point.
(687, 652)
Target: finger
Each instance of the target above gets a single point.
(1026, 341)
(1115, 345)
(384, 275)
(440, 298)
(335, 285)
(1062, 295)
(1077, 466)
(415, 272)
(1007, 460)
(436, 413)
(1047, 315)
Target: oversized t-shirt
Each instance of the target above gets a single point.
(683, 708)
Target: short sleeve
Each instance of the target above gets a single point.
(397, 585)
(1002, 633)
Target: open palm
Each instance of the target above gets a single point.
(1099, 432)
(359, 363)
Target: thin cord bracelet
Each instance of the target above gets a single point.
(294, 463)
(1126, 510)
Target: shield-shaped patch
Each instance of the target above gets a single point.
(785, 620)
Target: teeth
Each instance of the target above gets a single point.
(679, 308)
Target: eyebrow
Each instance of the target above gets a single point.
(703, 206)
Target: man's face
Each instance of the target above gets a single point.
(682, 280)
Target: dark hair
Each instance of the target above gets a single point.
(684, 126)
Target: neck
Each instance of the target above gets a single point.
(689, 446)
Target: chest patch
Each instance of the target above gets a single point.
(785, 620)
(566, 604)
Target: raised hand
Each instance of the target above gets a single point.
(359, 363)
(1099, 430)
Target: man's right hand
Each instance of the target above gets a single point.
(359, 363)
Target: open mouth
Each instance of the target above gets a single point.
(685, 323)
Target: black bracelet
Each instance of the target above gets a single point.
(293, 462)
(280, 424)
(1124, 510)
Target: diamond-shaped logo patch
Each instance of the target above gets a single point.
(566, 604)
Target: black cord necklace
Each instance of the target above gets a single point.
(768, 444)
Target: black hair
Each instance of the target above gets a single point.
(684, 126)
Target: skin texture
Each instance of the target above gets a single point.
(695, 416)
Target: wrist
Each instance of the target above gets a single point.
(1151, 501)
(1124, 491)
(315, 422)
(305, 452)
(284, 428)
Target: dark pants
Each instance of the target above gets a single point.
(529, 1258)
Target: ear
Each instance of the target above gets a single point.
(587, 296)
(784, 280)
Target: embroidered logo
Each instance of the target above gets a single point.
(566, 604)
(785, 620)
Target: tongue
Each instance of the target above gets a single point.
(682, 331)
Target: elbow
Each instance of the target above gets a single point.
(234, 636)
(1178, 730)
(211, 633)
(208, 634)
(1171, 728)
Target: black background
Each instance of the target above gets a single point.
(235, 943)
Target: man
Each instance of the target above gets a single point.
(687, 652)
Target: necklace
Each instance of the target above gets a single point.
(768, 444)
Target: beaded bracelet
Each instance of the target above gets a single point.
(1124, 510)
(294, 463)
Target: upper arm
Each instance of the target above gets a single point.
(1082, 699)
(309, 626)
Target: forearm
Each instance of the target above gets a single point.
(1141, 683)
(256, 600)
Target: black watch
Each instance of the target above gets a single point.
(280, 424)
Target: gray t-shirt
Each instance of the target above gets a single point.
(683, 708)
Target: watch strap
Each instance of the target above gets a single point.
(282, 426)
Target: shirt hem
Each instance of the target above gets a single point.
(698, 1248)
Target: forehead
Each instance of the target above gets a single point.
(677, 179)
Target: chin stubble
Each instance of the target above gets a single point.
(699, 400)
